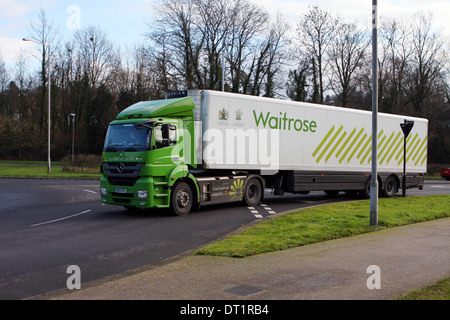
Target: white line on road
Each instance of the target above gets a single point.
(56, 220)
(89, 191)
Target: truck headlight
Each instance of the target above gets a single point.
(142, 194)
(103, 191)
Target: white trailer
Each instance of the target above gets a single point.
(299, 147)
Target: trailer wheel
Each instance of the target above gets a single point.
(365, 193)
(181, 199)
(253, 192)
(391, 187)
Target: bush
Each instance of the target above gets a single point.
(85, 163)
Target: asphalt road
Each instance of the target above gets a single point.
(48, 225)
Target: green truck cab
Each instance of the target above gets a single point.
(146, 156)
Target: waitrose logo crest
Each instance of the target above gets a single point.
(283, 122)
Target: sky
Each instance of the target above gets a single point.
(125, 21)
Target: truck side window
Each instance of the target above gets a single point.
(159, 142)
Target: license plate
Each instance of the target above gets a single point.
(121, 190)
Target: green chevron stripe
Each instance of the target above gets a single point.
(357, 147)
(379, 143)
(396, 148)
(335, 146)
(408, 145)
(364, 148)
(369, 151)
(323, 141)
(400, 152)
(388, 142)
(351, 145)
(345, 143)
(329, 144)
(394, 141)
(421, 154)
(424, 158)
(412, 150)
(420, 148)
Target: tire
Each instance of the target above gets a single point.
(253, 192)
(391, 187)
(365, 193)
(181, 199)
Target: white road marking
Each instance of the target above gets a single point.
(56, 220)
(256, 213)
(89, 191)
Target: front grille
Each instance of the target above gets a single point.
(118, 181)
(122, 173)
(124, 195)
(125, 201)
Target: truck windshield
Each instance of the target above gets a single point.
(128, 138)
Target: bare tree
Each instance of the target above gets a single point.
(178, 40)
(95, 53)
(347, 54)
(316, 31)
(46, 34)
(4, 77)
(248, 22)
(393, 63)
(431, 59)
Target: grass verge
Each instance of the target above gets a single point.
(40, 171)
(438, 291)
(328, 222)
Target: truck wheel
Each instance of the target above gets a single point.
(365, 193)
(181, 199)
(253, 192)
(391, 187)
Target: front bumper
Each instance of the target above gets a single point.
(143, 194)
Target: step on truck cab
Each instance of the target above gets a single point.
(210, 147)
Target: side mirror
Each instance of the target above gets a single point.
(165, 134)
(165, 131)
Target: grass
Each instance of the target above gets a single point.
(438, 291)
(328, 222)
(40, 171)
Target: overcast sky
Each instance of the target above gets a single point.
(125, 20)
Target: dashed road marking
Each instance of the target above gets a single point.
(257, 214)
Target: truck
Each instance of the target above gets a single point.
(205, 147)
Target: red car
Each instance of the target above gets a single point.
(445, 173)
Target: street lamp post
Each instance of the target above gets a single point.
(374, 176)
(73, 137)
(49, 97)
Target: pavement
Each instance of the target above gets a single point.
(405, 258)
